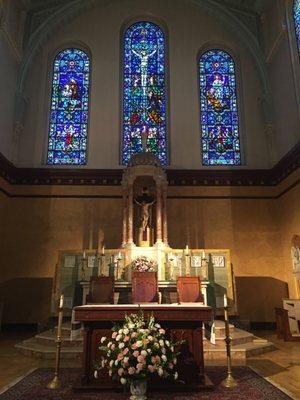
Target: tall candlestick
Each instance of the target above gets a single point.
(61, 301)
(225, 301)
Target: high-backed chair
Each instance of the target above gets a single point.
(144, 287)
(189, 289)
(101, 290)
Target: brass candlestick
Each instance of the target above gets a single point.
(55, 383)
(229, 381)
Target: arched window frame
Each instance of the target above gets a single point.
(294, 50)
(239, 100)
(163, 27)
(50, 74)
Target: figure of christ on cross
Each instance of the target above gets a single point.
(144, 66)
(145, 202)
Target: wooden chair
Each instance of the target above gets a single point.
(283, 330)
(101, 290)
(144, 287)
(189, 289)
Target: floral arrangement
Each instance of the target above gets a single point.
(138, 350)
(143, 264)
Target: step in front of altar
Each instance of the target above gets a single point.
(244, 344)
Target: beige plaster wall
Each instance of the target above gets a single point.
(189, 28)
(33, 230)
(289, 219)
(283, 72)
(8, 67)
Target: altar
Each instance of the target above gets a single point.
(183, 322)
(144, 229)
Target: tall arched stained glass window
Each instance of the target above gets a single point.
(296, 10)
(67, 141)
(144, 91)
(219, 113)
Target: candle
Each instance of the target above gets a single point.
(83, 255)
(203, 254)
(186, 249)
(61, 301)
(103, 250)
(119, 255)
(171, 257)
(225, 301)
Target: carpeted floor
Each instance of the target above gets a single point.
(251, 387)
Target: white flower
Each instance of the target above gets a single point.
(172, 349)
(116, 362)
(167, 343)
(176, 375)
(149, 351)
(160, 372)
(111, 363)
(103, 339)
(110, 372)
(120, 331)
(109, 344)
(121, 345)
(150, 338)
(161, 342)
(164, 358)
(96, 374)
(131, 326)
(143, 353)
(123, 381)
(118, 337)
(125, 360)
(126, 331)
(139, 343)
(174, 360)
(103, 363)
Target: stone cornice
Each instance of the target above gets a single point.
(176, 177)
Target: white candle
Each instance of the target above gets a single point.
(83, 255)
(186, 249)
(203, 254)
(119, 255)
(61, 301)
(225, 300)
(103, 250)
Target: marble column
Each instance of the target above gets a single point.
(130, 214)
(125, 208)
(158, 213)
(165, 223)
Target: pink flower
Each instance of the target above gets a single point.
(153, 359)
(151, 368)
(136, 353)
(134, 334)
(141, 359)
(134, 346)
(114, 335)
(139, 366)
(157, 358)
(125, 351)
(171, 366)
(162, 331)
(126, 338)
(113, 346)
(120, 356)
(120, 371)
(131, 370)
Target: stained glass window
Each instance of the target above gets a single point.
(219, 113)
(297, 21)
(144, 92)
(67, 141)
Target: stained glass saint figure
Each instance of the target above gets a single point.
(219, 112)
(144, 97)
(67, 141)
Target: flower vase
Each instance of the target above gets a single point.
(138, 390)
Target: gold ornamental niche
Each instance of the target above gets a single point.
(144, 186)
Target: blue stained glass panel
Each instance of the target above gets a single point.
(67, 141)
(219, 112)
(297, 21)
(144, 92)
